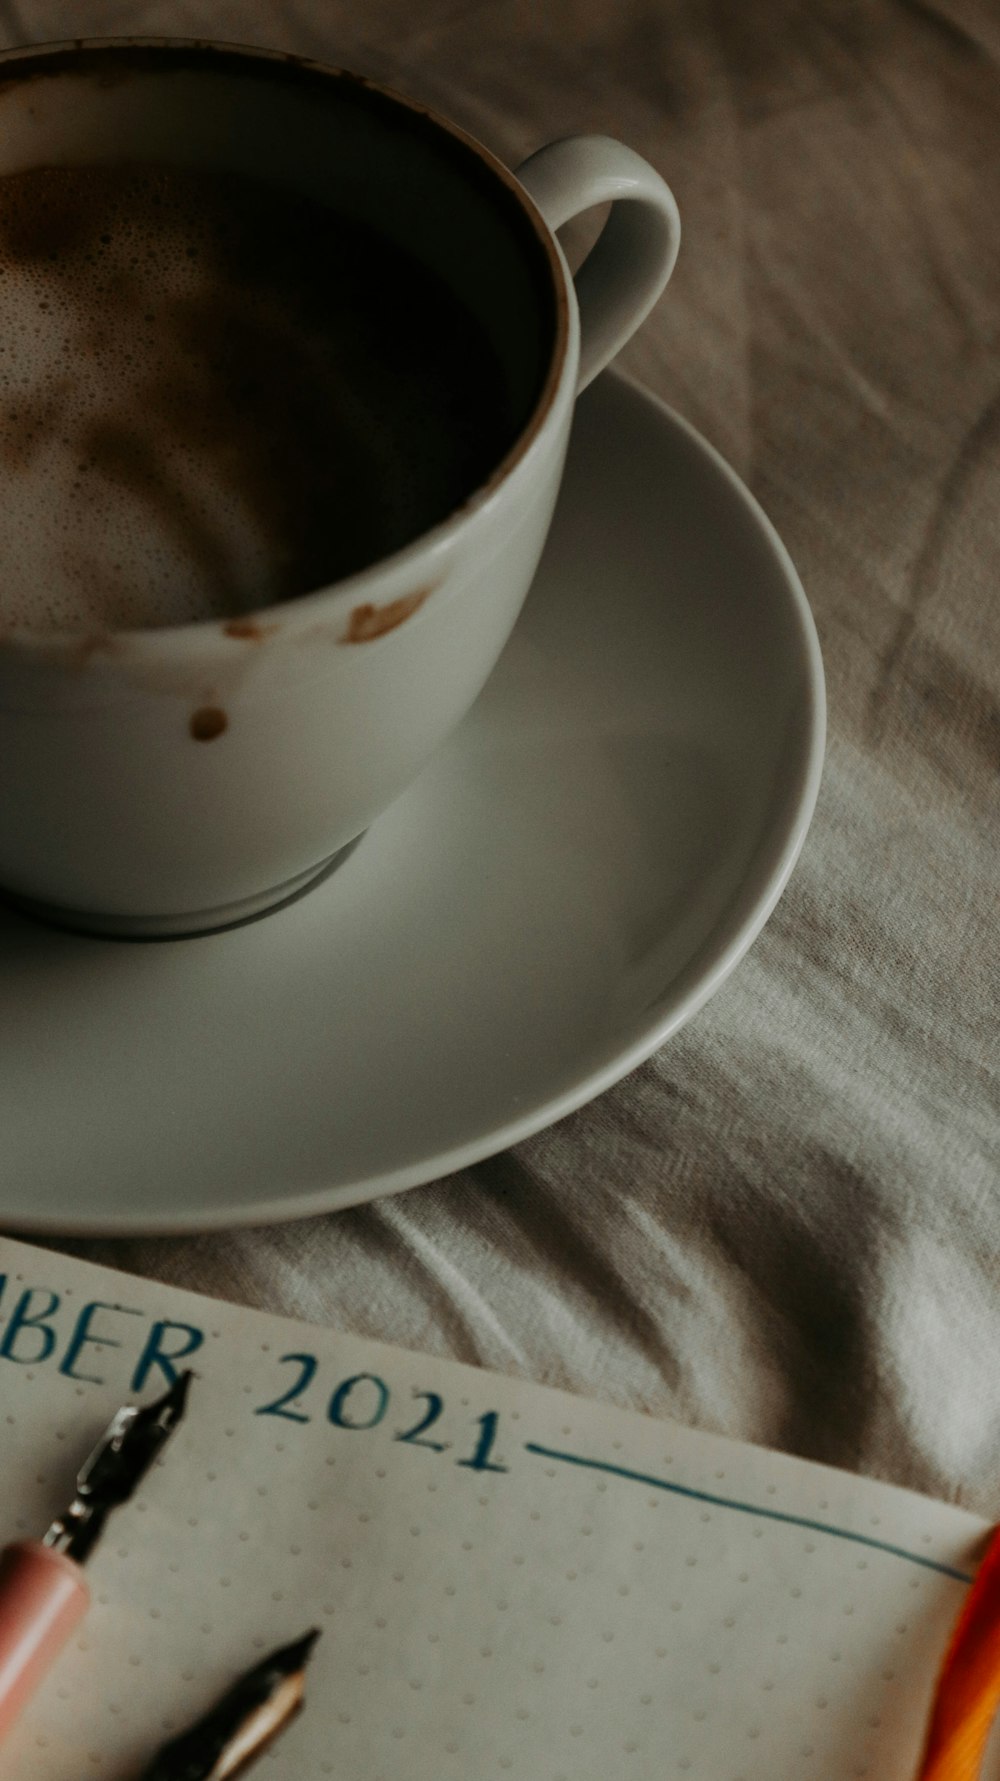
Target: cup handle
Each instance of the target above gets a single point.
(634, 254)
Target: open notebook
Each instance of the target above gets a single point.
(510, 1581)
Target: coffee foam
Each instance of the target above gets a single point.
(107, 519)
(197, 416)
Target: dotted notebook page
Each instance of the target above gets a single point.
(509, 1581)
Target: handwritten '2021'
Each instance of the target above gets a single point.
(362, 1402)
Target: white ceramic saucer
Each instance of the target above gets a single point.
(566, 883)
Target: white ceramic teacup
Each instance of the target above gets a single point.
(170, 781)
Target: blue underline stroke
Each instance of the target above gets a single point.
(705, 1496)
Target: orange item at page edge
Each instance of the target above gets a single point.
(968, 1688)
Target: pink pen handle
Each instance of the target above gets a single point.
(43, 1596)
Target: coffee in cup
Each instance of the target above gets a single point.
(216, 395)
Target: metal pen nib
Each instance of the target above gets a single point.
(118, 1464)
(242, 1724)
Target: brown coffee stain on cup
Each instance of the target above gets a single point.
(208, 722)
(248, 630)
(368, 622)
(91, 644)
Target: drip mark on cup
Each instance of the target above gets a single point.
(208, 722)
(368, 622)
(93, 643)
(248, 630)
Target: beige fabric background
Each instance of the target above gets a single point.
(786, 1225)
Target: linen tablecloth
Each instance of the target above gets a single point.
(786, 1225)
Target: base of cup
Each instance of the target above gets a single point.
(188, 926)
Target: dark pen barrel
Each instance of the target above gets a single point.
(252, 1712)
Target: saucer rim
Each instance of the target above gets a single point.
(735, 934)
